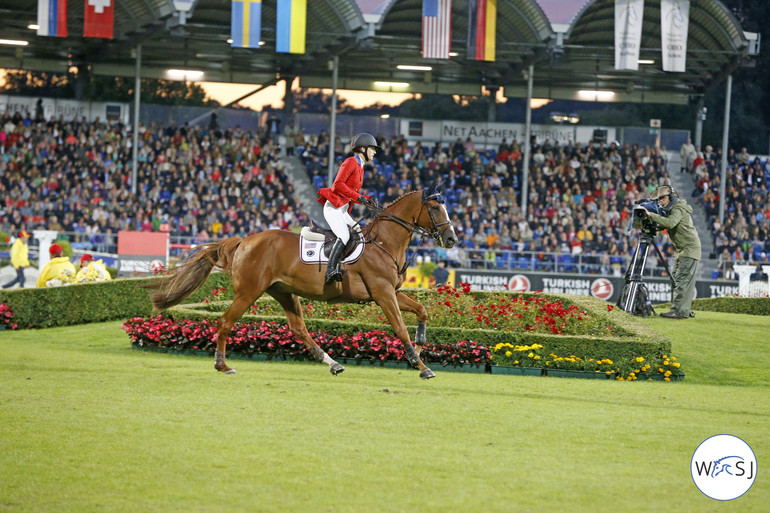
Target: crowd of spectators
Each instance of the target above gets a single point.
(204, 183)
(743, 236)
(201, 183)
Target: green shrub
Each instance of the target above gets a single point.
(733, 304)
(94, 302)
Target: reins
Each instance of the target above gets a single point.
(412, 228)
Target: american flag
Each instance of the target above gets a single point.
(436, 28)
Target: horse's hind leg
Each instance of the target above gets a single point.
(225, 325)
(293, 309)
(407, 304)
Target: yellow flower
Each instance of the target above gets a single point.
(667, 373)
(673, 358)
(537, 357)
(665, 356)
(640, 359)
(667, 362)
(531, 355)
(516, 362)
(676, 364)
(661, 370)
(608, 373)
(508, 353)
(666, 379)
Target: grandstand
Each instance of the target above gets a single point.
(565, 212)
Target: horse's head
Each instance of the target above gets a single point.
(434, 217)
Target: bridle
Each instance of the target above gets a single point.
(427, 196)
(413, 227)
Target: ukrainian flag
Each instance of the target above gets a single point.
(246, 23)
(290, 27)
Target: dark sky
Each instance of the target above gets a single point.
(558, 11)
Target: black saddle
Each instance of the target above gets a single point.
(330, 238)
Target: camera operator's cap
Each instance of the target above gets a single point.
(55, 250)
(86, 258)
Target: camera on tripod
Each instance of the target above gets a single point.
(640, 218)
(634, 298)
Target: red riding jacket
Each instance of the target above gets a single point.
(346, 185)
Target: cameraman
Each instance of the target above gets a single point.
(685, 239)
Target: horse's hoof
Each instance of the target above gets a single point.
(427, 374)
(335, 368)
(225, 369)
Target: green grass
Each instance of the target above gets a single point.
(88, 425)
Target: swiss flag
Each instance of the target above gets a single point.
(99, 18)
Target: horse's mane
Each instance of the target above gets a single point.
(400, 198)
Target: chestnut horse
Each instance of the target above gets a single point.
(269, 262)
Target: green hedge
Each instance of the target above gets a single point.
(638, 339)
(91, 302)
(732, 304)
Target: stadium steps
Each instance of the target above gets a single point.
(682, 182)
(303, 186)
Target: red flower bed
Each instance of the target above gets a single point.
(273, 338)
(6, 317)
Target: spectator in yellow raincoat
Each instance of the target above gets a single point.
(19, 259)
(92, 270)
(59, 271)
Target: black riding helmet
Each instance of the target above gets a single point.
(363, 140)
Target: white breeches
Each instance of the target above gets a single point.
(339, 220)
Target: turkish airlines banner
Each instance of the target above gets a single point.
(608, 288)
(674, 23)
(628, 33)
(99, 18)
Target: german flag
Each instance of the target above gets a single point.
(482, 27)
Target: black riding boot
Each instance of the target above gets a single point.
(333, 271)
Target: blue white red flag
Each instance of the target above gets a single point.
(52, 18)
(436, 28)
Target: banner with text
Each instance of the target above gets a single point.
(628, 33)
(608, 288)
(490, 135)
(674, 23)
(67, 109)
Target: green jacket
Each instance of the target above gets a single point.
(681, 231)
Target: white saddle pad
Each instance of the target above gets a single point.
(311, 249)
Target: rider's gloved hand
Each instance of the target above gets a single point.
(368, 201)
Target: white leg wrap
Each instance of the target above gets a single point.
(327, 359)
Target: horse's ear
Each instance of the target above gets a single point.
(430, 191)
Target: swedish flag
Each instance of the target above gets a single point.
(246, 23)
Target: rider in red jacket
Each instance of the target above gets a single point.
(338, 199)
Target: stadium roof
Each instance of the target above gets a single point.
(566, 58)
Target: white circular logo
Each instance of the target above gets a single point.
(723, 467)
(519, 283)
(602, 288)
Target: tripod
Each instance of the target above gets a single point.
(630, 301)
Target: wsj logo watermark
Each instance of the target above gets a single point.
(723, 467)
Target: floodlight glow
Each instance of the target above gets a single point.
(229, 41)
(13, 42)
(33, 27)
(384, 116)
(391, 84)
(408, 67)
(184, 74)
(595, 95)
(453, 54)
(645, 61)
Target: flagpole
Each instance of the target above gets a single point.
(527, 148)
(333, 127)
(137, 97)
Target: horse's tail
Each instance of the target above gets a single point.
(188, 277)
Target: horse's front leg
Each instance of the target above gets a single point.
(407, 304)
(391, 306)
